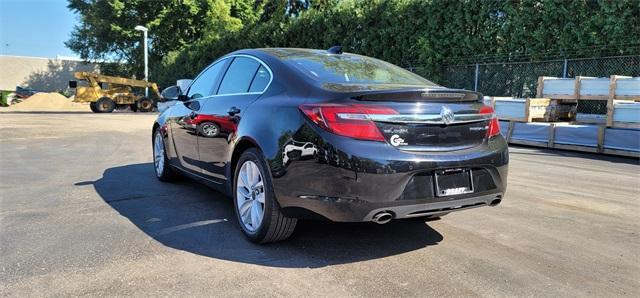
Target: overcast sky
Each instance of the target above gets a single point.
(35, 28)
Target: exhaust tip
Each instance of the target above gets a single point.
(382, 217)
(495, 202)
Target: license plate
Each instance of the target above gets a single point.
(453, 182)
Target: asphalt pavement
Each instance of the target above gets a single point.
(81, 213)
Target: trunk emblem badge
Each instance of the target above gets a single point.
(447, 115)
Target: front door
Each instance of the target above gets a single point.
(184, 119)
(244, 81)
(185, 135)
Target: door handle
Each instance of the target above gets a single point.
(233, 111)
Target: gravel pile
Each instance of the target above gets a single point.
(47, 102)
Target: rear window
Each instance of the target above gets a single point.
(352, 69)
(260, 80)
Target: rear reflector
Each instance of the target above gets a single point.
(494, 125)
(347, 120)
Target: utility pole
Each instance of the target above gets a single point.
(146, 57)
(475, 82)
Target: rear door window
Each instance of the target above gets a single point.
(239, 76)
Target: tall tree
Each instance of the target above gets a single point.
(106, 28)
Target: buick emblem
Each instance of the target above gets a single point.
(447, 115)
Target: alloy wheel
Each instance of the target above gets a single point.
(250, 196)
(158, 154)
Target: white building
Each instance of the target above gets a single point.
(41, 74)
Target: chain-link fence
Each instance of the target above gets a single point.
(520, 79)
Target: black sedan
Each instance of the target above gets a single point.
(300, 133)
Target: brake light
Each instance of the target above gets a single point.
(494, 125)
(347, 120)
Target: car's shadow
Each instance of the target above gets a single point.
(188, 216)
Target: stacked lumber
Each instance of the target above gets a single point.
(584, 138)
(626, 114)
(610, 105)
(530, 109)
(624, 93)
(597, 98)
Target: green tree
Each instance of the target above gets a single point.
(106, 28)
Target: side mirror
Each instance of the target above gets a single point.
(73, 84)
(171, 93)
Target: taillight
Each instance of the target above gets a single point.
(347, 120)
(494, 125)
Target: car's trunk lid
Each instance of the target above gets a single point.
(430, 120)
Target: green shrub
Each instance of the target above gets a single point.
(4, 95)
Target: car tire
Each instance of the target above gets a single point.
(163, 170)
(273, 226)
(134, 107)
(92, 106)
(105, 105)
(209, 129)
(145, 104)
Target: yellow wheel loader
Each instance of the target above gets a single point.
(106, 93)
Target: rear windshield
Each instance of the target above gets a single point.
(352, 69)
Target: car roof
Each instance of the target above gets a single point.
(281, 53)
(287, 52)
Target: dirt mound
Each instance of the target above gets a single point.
(48, 102)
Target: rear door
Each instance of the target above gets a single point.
(184, 121)
(244, 81)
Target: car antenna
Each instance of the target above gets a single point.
(335, 50)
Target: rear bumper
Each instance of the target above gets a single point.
(350, 181)
(357, 212)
